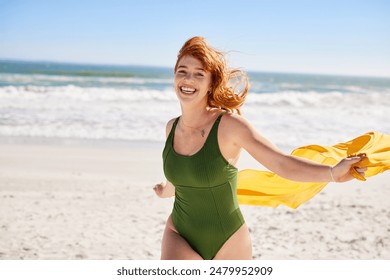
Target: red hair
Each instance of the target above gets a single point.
(229, 87)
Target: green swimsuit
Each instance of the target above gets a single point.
(205, 212)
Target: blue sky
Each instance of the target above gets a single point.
(330, 37)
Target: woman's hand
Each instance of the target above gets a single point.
(341, 171)
(159, 189)
(164, 190)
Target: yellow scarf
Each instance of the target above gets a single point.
(262, 188)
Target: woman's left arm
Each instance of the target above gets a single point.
(287, 166)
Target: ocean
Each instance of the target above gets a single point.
(133, 103)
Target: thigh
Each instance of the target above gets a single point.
(237, 247)
(175, 247)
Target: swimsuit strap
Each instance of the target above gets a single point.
(172, 132)
(217, 121)
(212, 138)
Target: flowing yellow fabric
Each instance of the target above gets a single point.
(262, 188)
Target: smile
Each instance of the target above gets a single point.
(187, 90)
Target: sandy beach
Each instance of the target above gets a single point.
(94, 200)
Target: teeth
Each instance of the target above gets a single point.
(187, 90)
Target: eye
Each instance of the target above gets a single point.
(199, 74)
(181, 72)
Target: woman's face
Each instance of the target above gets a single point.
(192, 82)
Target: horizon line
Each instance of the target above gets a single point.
(171, 67)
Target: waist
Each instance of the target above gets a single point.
(219, 199)
(208, 221)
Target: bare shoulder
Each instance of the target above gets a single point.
(169, 126)
(235, 127)
(233, 123)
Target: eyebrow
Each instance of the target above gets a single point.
(197, 68)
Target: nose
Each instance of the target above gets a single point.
(188, 76)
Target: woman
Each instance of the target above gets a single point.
(202, 148)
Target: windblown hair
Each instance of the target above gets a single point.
(229, 87)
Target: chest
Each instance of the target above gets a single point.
(207, 168)
(189, 142)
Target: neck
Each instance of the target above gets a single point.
(194, 117)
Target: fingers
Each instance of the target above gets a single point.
(358, 155)
(355, 158)
(356, 171)
(358, 175)
(348, 168)
(361, 170)
(159, 188)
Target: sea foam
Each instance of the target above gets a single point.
(290, 110)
